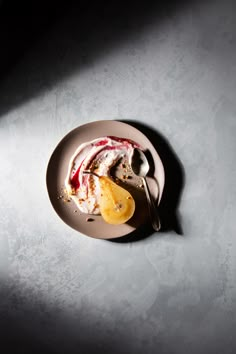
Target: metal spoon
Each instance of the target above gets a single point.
(140, 167)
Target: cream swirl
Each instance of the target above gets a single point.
(98, 156)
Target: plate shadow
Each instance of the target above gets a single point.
(174, 184)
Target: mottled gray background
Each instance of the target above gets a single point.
(173, 68)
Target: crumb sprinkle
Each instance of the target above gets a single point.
(89, 219)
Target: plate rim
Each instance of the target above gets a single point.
(71, 132)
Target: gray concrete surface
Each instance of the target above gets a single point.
(61, 292)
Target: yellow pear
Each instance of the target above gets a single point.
(116, 203)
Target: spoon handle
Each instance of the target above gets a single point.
(153, 211)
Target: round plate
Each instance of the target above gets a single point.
(57, 171)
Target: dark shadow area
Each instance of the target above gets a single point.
(31, 324)
(174, 178)
(174, 184)
(35, 323)
(43, 42)
(22, 23)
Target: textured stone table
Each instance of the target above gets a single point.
(170, 69)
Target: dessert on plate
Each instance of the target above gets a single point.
(89, 181)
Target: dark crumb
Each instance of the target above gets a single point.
(89, 219)
(75, 211)
(129, 177)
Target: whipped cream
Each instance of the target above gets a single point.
(97, 156)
